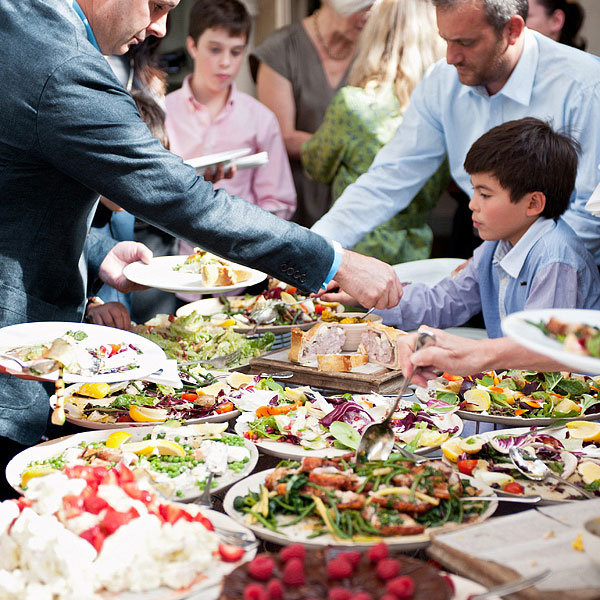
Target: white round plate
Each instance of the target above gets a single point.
(212, 306)
(429, 271)
(47, 450)
(149, 361)
(159, 274)
(86, 424)
(518, 326)
(465, 588)
(301, 532)
(287, 451)
(210, 160)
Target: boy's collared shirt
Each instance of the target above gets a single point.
(547, 268)
(243, 123)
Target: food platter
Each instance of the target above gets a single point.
(550, 491)
(300, 532)
(213, 306)
(88, 424)
(149, 359)
(518, 421)
(520, 327)
(428, 271)
(44, 451)
(159, 274)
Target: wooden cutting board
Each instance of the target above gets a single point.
(364, 379)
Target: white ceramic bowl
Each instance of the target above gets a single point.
(591, 539)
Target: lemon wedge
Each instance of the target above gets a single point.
(116, 438)
(228, 323)
(285, 297)
(477, 400)
(472, 444)
(237, 380)
(584, 430)
(142, 414)
(147, 447)
(432, 438)
(94, 390)
(35, 471)
(567, 405)
(589, 471)
(452, 449)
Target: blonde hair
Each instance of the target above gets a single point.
(398, 44)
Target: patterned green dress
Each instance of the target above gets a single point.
(357, 124)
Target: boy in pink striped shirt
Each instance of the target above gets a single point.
(208, 114)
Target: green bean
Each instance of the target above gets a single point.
(264, 521)
(301, 515)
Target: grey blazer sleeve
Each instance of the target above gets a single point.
(89, 128)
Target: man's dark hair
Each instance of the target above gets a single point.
(498, 12)
(230, 15)
(528, 156)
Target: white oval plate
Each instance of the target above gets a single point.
(47, 450)
(159, 274)
(518, 327)
(300, 532)
(149, 361)
(285, 450)
(85, 423)
(210, 160)
(429, 271)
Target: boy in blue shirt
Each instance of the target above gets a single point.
(523, 174)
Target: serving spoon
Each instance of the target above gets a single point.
(378, 439)
(535, 469)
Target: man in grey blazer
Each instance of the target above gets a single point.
(70, 132)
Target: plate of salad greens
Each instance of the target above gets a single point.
(516, 397)
(173, 460)
(569, 336)
(571, 451)
(335, 502)
(294, 423)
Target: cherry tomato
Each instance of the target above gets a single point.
(319, 308)
(513, 488)
(466, 467)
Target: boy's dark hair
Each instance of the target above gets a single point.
(219, 14)
(527, 156)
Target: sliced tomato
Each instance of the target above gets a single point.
(114, 349)
(291, 289)
(94, 504)
(230, 553)
(200, 518)
(94, 536)
(171, 513)
(466, 467)
(225, 408)
(319, 308)
(513, 488)
(133, 491)
(189, 397)
(73, 506)
(113, 519)
(125, 474)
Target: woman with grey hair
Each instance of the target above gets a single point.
(298, 70)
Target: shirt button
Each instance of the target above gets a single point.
(303, 278)
(283, 267)
(290, 271)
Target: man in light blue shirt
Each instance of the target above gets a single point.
(497, 70)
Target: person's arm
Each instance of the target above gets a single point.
(323, 153)
(273, 184)
(464, 356)
(275, 92)
(398, 172)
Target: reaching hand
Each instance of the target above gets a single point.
(124, 253)
(368, 280)
(212, 175)
(111, 314)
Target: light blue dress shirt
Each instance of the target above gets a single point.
(547, 268)
(551, 81)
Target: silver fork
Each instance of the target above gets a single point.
(509, 588)
(205, 499)
(38, 363)
(217, 362)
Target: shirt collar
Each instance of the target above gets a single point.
(512, 258)
(195, 105)
(88, 29)
(519, 86)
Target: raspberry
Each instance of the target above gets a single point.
(388, 597)
(352, 557)
(293, 572)
(401, 587)
(254, 591)
(339, 568)
(378, 552)
(261, 568)
(293, 551)
(362, 596)
(339, 593)
(275, 590)
(449, 582)
(388, 568)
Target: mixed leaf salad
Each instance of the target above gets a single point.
(174, 460)
(189, 338)
(575, 337)
(515, 393)
(572, 452)
(304, 417)
(359, 502)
